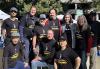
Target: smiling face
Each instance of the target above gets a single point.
(33, 11)
(67, 18)
(52, 13)
(50, 34)
(42, 21)
(81, 20)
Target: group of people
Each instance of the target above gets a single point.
(49, 43)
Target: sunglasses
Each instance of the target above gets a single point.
(42, 18)
(13, 11)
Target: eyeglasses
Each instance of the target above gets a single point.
(13, 11)
(42, 18)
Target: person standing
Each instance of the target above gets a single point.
(10, 25)
(26, 27)
(69, 28)
(83, 42)
(39, 33)
(54, 23)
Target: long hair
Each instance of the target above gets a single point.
(71, 19)
(83, 19)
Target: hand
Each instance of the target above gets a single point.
(25, 64)
(36, 58)
(36, 51)
(88, 54)
(98, 47)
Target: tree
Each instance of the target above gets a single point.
(96, 5)
(43, 6)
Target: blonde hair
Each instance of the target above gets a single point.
(80, 19)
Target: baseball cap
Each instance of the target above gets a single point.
(14, 9)
(62, 38)
(15, 34)
(42, 16)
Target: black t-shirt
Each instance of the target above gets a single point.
(13, 53)
(9, 25)
(40, 31)
(55, 26)
(65, 59)
(27, 24)
(68, 35)
(47, 50)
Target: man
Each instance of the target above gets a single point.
(94, 28)
(65, 57)
(46, 51)
(14, 54)
(40, 30)
(54, 23)
(26, 27)
(39, 34)
(10, 25)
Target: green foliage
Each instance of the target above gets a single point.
(96, 5)
(24, 6)
(43, 6)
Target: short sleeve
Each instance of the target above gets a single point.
(73, 54)
(4, 25)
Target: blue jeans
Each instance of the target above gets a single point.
(36, 64)
(50, 66)
(19, 65)
(26, 44)
(82, 55)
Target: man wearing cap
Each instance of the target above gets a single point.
(10, 25)
(66, 57)
(14, 54)
(40, 31)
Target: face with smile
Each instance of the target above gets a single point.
(52, 13)
(67, 18)
(33, 11)
(50, 34)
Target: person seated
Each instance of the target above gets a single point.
(14, 54)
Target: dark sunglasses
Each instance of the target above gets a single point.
(13, 11)
(42, 18)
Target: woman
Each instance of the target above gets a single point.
(69, 29)
(82, 37)
(64, 58)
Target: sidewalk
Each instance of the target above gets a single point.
(97, 63)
